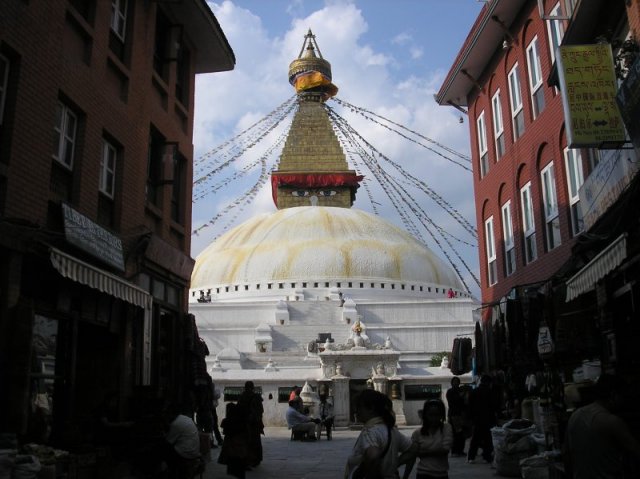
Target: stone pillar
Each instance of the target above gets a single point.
(398, 403)
(398, 409)
(340, 400)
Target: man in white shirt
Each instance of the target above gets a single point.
(183, 439)
(299, 422)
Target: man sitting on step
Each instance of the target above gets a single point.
(301, 423)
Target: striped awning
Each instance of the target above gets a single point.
(605, 261)
(84, 273)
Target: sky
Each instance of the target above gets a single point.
(387, 56)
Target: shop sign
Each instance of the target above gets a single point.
(589, 88)
(605, 184)
(92, 238)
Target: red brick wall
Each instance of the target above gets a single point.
(49, 39)
(542, 141)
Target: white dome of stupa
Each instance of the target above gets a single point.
(315, 243)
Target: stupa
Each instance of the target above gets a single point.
(321, 294)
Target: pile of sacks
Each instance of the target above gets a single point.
(513, 442)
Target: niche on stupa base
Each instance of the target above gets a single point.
(281, 315)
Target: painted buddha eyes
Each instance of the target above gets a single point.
(303, 193)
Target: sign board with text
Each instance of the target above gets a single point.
(589, 87)
(92, 238)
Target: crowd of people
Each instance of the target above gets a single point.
(597, 442)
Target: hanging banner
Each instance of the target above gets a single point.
(589, 88)
(629, 102)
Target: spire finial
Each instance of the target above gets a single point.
(310, 73)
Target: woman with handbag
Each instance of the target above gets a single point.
(379, 445)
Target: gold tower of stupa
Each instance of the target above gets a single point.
(313, 169)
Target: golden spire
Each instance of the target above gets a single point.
(310, 72)
(313, 169)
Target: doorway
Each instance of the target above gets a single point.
(356, 386)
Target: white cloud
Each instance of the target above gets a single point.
(401, 39)
(416, 52)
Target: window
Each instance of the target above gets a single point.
(4, 82)
(535, 78)
(162, 39)
(182, 75)
(64, 137)
(178, 190)
(515, 95)
(482, 145)
(119, 18)
(498, 126)
(528, 224)
(108, 168)
(86, 9)
(575, 178)
(154, 167)
(492, 272)
(509, 246)
(555, 29)
(550, 201)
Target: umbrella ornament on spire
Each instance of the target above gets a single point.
(310, 72)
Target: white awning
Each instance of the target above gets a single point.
(608, 259)
(84, 273)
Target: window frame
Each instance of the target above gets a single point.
(528, 224)
(498, 124)
(490, 251)
(550, 206)
(61, 130)
(575, 180)
(119, 18)
(555, 31)
(483, 149)
(508, 238)
(106, 170)
(536, 83)
(517, 107)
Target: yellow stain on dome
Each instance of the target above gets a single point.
(307, 243)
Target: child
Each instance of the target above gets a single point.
(430, 444)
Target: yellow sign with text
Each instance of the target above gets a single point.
(589, 87)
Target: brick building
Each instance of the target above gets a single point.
(96, 124)
(557, 236)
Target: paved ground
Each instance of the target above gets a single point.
(323, 459)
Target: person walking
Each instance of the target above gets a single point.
(377, 450)
(430, 444)
(325, 409)
(598, 443)
(234, 450)
(214, 414)
(456, 416)
(250, 406)
(483, 409)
